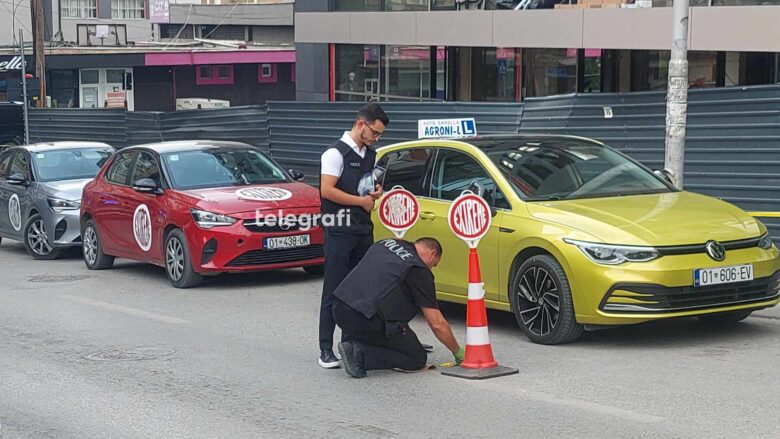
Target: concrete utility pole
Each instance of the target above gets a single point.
(677, 94)
(24, 88)
(36, 9)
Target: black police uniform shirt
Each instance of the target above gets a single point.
(353, 168)
(391, 281)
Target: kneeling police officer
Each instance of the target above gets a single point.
(375, 302)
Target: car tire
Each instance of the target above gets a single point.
(314, 270)
(178, 264)
(36, 241)
(92, 248)
(726, 318)
(538, 286)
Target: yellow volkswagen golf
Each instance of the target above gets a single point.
(583, 236)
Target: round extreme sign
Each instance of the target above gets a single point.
(399, 210)
(15, 212)
(469, 218)
(142, 227)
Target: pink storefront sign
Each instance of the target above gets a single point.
(203, 58)
(589, 53)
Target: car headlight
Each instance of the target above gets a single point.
(59, 205)
(765, 242)
(609, 254)
(208, 220)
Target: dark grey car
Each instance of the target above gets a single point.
(40, 193)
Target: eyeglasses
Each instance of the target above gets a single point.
(374, 133)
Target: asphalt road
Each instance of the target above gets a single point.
(121, 354)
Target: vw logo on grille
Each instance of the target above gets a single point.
(715, 250)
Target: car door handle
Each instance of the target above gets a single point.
(427, 216)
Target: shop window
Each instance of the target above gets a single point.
(372, 72)
(214, 75)
(224, 72)
(292, 72)
(356, 72)
(128, 9)
(493, 74)
(224, 32)
(357, 5)
(549, 72)
(79, 8)
(90, 76)
(650, 69)
(266, 73)
(171, 31)
(204, 72)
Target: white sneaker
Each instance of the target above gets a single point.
(328, 360)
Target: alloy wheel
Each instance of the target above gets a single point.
(539, 301)
(37, 239)
(174, 259)
(90, 246)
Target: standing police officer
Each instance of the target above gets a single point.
(343, 164)
(376, 301)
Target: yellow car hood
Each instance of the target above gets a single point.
(655, 219)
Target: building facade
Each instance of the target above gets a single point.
(427, 50)
(155, 55)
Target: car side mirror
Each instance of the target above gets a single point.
(666, 174)
(296, 174)
(17, 179)
(477, 188)
(146, 186)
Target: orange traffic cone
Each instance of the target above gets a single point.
(479, 353)
(478, 362)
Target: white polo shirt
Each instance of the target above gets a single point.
(332, 161)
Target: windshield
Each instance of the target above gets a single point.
(221, 167)
(551, 169)
(70, 164)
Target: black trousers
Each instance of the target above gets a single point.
(402, 351)
(342, 251)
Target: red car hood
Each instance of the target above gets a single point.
(238, 199)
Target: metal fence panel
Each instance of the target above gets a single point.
(300, 131)
(239, 124)
(97, 125)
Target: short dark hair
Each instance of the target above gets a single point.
(373, 112)
(431, 243)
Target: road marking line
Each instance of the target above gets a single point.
(124, 309)
(588, 406)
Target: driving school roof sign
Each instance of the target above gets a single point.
(449, 128)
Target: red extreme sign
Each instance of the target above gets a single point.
(398, 210)
(469, 217)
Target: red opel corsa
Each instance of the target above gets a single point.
(198, 208)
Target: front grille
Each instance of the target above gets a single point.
(253, 227)
(702, 248)
(649, 298)
(261, 257)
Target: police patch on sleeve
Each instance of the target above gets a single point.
(142, 227)
(264, 193)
